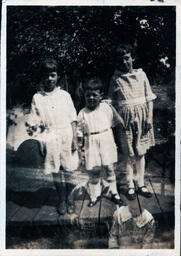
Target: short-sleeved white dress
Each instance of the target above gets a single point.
(55, 112)
(130, 93)
(96, 128)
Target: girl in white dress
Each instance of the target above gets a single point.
(54, 116)
(95, 136)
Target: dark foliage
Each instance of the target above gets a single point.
(83, 40)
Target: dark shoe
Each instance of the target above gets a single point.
(146, 194)
(93, 202)
(129, 196)
(62, 208)
(116, 199)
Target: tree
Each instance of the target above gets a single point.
(83, 40)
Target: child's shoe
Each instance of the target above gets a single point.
(116, 199)
(143, 191)
(131, 194)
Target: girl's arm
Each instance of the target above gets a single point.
(118, 119)
(80, 134)
(149, 119)
(150, 96)
(150, 111)
(74, 140)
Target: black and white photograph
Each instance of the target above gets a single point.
(90, 127)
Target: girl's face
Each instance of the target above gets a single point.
(125, 63)
(50, 81)
(92, 98)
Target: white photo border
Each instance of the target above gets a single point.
(155, 252)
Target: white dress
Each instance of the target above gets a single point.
(95, 127)
(54, 111)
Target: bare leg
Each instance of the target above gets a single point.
(59, 181)
(140, 168)
(129, 174)
(111, 179)
(94, 187)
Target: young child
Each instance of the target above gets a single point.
(133, 99)
(54, 116)
(96, 137)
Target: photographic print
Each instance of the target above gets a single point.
(91, 127)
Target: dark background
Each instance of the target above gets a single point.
(83, 40)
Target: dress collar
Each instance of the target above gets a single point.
(119, 73)
(50, 93)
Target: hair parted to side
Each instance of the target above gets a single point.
(94, 83)
(48, 65)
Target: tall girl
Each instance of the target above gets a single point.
(132, 97)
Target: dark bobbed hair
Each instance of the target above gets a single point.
(48, 65)
(124, 48)
(94, 83)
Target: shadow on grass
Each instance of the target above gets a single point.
(36, 199)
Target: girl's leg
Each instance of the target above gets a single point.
(129, 173)
(94, 188)
(129, 177)
(60, 185)
(140, 168)
(111, 179)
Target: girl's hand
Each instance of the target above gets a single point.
(74, 144)
(148, 126)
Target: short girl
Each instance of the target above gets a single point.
(95, 133)
(133, 99)
(54, 115)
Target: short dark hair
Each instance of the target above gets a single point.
(124, 49)
(94, 83)
(48, 65)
